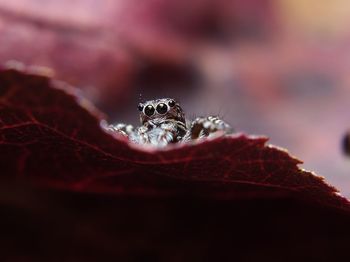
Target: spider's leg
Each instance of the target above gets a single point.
(140, 135)
(121, 128)
(165, 134)
(207, 126)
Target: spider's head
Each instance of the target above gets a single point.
(160, 110)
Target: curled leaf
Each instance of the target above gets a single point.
(71, 192)
(50, 139)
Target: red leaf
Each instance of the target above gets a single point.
(48, 138)
(228, 197)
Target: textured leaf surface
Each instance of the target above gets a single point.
(48, 138)
(230, 196)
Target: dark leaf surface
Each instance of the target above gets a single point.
(50, 139)
(72, 187)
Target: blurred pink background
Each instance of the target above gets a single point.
(278, 68)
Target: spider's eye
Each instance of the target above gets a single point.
(149, 110)
(162, 108)
(140, 107)
(171, 103)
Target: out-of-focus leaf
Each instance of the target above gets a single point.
(103, 46)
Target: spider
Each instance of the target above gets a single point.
(163, 122)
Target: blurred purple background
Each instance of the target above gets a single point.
(269, 67)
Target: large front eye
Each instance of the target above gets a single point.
(162, 108)
(149, 110)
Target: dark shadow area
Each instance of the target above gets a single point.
(45, 225)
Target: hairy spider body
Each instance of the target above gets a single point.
(163, 122)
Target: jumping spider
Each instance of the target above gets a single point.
(163, 122)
